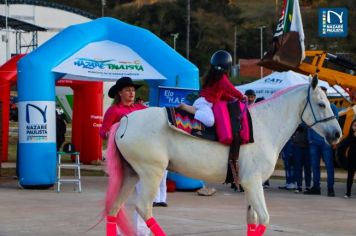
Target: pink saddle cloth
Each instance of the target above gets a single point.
(223, 123)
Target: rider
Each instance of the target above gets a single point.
(216, 87)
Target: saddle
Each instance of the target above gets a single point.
(233, 126)
(184, 122)
(232, 120)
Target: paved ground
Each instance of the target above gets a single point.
(45, 212)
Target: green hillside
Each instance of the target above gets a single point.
(213, 23)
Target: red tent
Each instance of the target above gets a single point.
(87, 112)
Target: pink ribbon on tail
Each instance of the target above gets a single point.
(111, 226)
(154, 227)
(252, 230)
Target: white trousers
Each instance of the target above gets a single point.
(204, 112)
(161, 196)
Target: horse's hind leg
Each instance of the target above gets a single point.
(256, 200)
(130, 180)
(149, 187)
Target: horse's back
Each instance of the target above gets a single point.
(136, 124)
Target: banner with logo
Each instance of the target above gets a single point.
(169, 97)
(107, 60)
(333, 22)
(36, 122)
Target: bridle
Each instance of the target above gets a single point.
(316, 121)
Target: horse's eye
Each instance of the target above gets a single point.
(322, 105)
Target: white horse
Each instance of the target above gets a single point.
(149, 147)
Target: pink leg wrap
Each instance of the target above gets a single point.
(253, 230)
(261, 229)
(111, 226)
(154, 227)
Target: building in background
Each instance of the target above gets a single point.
(50, 16)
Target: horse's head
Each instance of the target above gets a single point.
(318, 115)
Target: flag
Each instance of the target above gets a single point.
(291, 20)
(297, 25)
(288, 49)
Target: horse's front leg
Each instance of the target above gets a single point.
(257, 205)
(251, 218)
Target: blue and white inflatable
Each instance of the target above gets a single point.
(67, 54)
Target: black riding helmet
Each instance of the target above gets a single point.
(221, 60)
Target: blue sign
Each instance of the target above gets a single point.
(333, 22)
(170, 97)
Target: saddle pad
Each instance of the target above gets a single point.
(241, 122)
(222, 122)
(185, 121)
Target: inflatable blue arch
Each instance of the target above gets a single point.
(36, 87)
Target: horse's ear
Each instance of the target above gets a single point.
(314, 81)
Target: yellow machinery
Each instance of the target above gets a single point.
(335, 71)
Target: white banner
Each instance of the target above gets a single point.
(37, 122)
(106, 60)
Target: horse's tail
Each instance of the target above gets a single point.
(115, 170)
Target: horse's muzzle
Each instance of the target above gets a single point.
(333, 137)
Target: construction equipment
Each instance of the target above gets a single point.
(336, 71)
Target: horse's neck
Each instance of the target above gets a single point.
(279, 117)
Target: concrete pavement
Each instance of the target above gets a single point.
(45, 212)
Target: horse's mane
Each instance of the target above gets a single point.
(278, 94)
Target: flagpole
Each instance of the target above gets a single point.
(188, 28)
(103, 4)
(7, 30)
(235, 42)
(261, 46)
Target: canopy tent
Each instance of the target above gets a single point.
(8, 77)
(276, 81)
